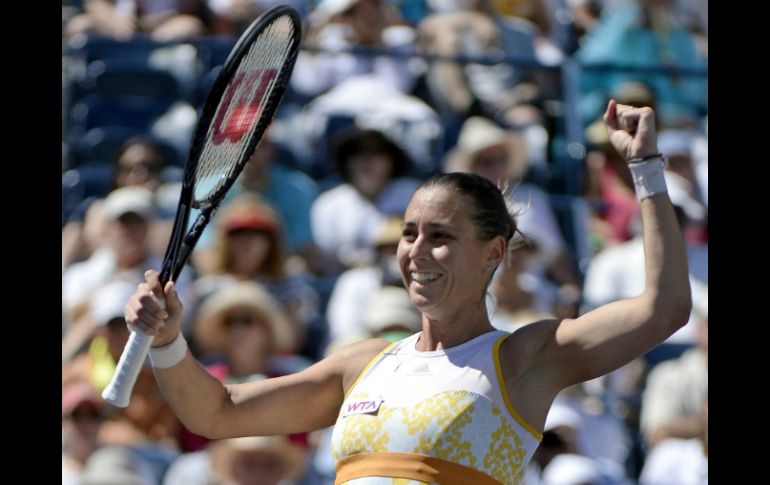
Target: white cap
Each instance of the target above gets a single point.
(672, 143)
(333, 7)
(108, 302)
(569, 469)
(562, 415)
(478, 133)
(128, 199)
(680, 193)
(389, 307)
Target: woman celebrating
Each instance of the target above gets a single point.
(458, 402)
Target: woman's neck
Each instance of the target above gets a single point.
(450, 331)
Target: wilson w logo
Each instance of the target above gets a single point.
(233, 124)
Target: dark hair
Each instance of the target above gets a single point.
(368, 142)
(157, 161)
(490, 214)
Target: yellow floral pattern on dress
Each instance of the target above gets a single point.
(448, 413)
(505, 454)
(459, 426)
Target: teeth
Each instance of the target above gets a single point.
(424, 277)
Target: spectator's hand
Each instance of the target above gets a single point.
(632, 130)
(153, 311)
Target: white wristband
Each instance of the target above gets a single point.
(169, 355)
(648, 178)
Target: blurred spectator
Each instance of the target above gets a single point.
(83, 412)
(521, 295)
(390, 314)
(139, 162)
(103, 322)
(673, 398)
(560, 435)
(346, 218)
(123, 255)
(254, 460)
(244, 333)
(249, 246)
(117, 465)
(679, 461)
(337, 25)
(355, 288)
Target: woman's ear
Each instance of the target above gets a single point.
(495, 252)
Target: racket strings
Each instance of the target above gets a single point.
(252, 90)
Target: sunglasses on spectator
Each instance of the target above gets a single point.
(242, 319)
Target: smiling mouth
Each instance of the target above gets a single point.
(424, 277)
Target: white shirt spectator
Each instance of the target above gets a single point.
(345, 224)
(676, 462)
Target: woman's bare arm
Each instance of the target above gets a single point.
(303, 401)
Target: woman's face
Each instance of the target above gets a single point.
(248, 251)
(139, 165)
(444, 264)
(369, 173)
(368, 20)
(250, 341)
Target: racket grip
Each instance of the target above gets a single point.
(118, 391)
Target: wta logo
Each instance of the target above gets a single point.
(363, 406)
(233, 124)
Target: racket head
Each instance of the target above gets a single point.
(241, 104)
(239, 108)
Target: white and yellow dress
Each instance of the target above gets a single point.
(439, 416)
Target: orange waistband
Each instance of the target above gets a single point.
(409, 465)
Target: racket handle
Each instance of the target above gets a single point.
(118, 391)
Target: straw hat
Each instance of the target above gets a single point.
(210, 330)
(224, 452)
(389, 232)
(479, 134)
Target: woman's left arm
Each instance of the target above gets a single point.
(570, 351)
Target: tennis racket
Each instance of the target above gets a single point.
(240, 106)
